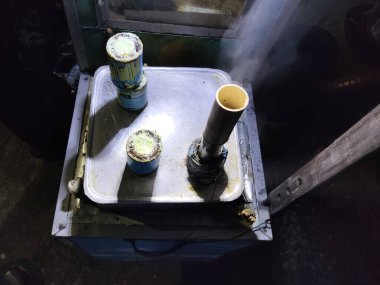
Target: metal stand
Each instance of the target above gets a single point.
(168, 232)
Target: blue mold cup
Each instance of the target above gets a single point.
(135, 99)
(125, 59)
(143, 168)
(143, 151)
(126, 75)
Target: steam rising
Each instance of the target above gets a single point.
(261, 26)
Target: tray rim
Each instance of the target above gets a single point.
(98, 198)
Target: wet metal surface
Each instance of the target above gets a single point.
(90, 220)
(179, 102)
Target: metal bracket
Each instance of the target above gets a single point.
(360, 140)
(256, 190)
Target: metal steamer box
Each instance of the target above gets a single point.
(179, 102)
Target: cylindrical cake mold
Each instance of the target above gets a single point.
(125, 58)
(143, 150)
(134, 99)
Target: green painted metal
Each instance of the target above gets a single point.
(95, 47)
(86, 13)
(159, 49)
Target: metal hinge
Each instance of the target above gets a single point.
(75, 184)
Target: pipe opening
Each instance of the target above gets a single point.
(232, 97)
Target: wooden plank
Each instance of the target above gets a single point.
(360, 140)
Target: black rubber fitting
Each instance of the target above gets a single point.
(205, 172)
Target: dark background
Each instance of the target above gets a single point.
(329, 237)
